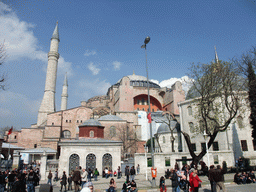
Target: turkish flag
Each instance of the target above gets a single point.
(149, 118)
(10, 131)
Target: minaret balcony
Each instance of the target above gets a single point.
(53, 54)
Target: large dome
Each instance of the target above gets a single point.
(140, 81)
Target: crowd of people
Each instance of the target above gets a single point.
(19, 180)
(244, 177)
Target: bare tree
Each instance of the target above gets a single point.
(217, 87)
(129, 139)
(2, 59)
(171, 123)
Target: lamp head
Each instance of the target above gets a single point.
(147, 40)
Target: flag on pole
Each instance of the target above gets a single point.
(149, 118)
(10, 131)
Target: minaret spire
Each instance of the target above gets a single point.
(48, 102)
(216, 56)
(64, 95)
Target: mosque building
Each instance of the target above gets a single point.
(97, 133)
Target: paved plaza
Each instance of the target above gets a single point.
(145, 185)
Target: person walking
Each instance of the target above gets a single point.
(210, 177)
(118, 172)
(175, 182)
(76, 178)
(63, 181)
(218, 177)
(69, 182)
(96, 174)
(138, 169)
(127, 173)
(195, 181)
(49, 178)
(162, 185)
(132, 172)
(31, 181)
(84, 177)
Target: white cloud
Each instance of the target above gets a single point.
(89, 53)
(16, 109)
(20, 41)
(185, 80)
(93, 69)
(116, 65)
(89, 88)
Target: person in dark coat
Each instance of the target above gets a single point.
(210, 177)
(127, 173)
(218, 177)
(76, 178)
(175, 182)
(63, 181)
(18, 185)
(132, 172)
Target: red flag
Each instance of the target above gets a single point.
(149, 118)
(10, 131)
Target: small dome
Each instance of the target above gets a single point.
(91, 122)
(164, 128)
(110, 118)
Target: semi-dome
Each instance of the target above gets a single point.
(110, 118)
(91, 122)
(164, 128)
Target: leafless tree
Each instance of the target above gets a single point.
(217, 88)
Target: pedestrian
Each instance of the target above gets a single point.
(17, 185)
(132, 173)
(138, 169)
(49, 178)
(63, 181)
(2, 181)
(84, 177)
(69, 182)
(127, 173)
(11, 179)
(162, 185)
(210, 177)
(118, 172)
(106, 172)
(175, 182)
(218, 178)
(89, 175)
(31, 181)
(56, 175)
(76, 179)
(196, 181)
(96, 174)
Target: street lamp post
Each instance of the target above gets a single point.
(146, 41)
(146, 150)
(206, 146)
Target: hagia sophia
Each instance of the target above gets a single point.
(106, 129)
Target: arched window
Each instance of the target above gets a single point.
(66, 134)
(91, 133)
(191, 127)
(112, 131)
(240, 122)
(163, 139)
(190, 111)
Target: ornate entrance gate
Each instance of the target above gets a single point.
(107, 161)
(91, 161)
(73, 162)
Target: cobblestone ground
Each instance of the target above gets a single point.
(145, 185)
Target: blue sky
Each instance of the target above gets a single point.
(100, 43)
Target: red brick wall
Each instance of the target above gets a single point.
(85, 131)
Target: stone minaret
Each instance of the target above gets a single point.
(48, 103)
(64, 95)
